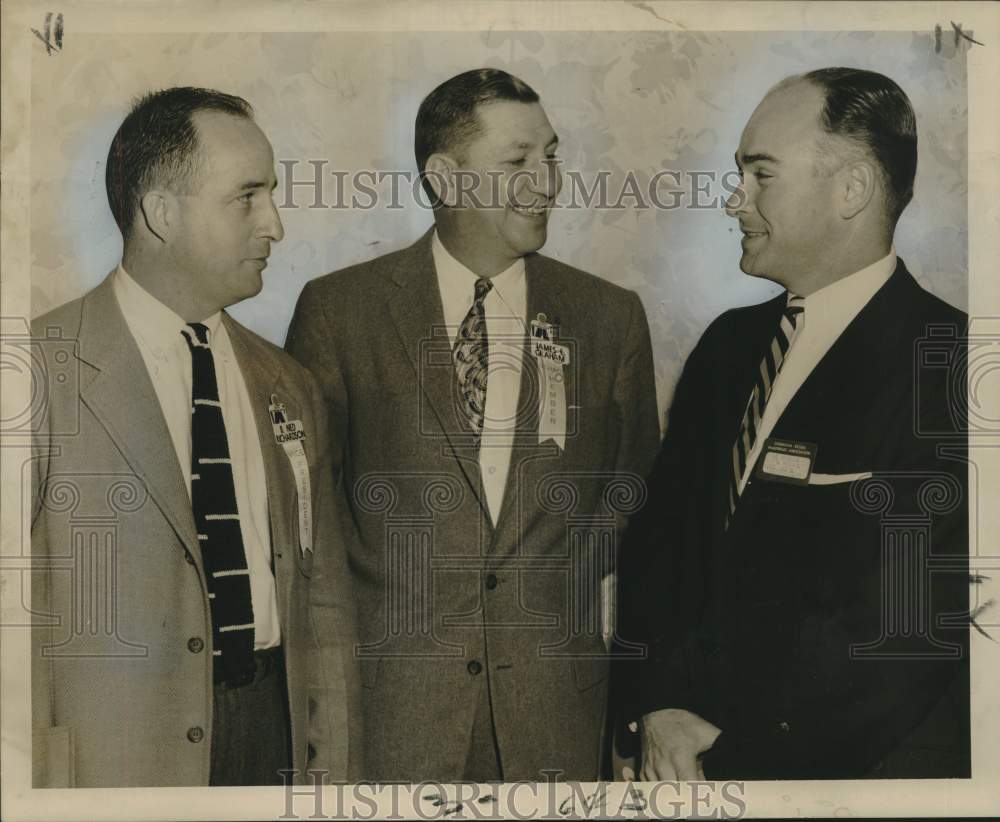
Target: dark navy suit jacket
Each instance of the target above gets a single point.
(826, 631)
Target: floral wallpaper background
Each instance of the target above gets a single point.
(623, 103)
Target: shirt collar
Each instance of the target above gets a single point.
(158, 326)
(456, 278)
(843, 299)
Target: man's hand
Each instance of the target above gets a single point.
(672, 739)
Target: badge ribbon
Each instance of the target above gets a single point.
(290, 435)
(550, 359)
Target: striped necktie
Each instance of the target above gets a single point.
(471, 355)
(792, 320)
(213, 500)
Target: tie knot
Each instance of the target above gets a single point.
(196, 335)
(483, 286)
(795, 308)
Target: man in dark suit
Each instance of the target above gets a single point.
(194, 620)
(806, 525)
(492, 432)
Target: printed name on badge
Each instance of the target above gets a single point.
(558, 354)
(289, 434)
(787, 461)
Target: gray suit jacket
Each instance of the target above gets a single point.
(446, 599)
(121, 653)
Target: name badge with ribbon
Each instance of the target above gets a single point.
(550, 358)
(290, 435)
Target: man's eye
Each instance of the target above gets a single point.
(762, 175)
(246, 198)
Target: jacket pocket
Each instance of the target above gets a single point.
(836, 479)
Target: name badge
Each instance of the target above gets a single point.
(786, 461)
(290, 435)
(550, 359)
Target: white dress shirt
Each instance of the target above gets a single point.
(157, 332)
(827, 313)
(505, 306)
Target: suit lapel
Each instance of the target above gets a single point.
(528, 460)
(848, 377)
(262, 376)
(122, 398)
(418, 316)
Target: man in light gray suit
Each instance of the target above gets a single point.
(204, 636)
(492, 412)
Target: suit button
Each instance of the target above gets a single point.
(784, 726)
(474, 667)
(196, 645)
(491, 581)
(195, 734)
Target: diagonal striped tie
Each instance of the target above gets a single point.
(471, 355)
(792, 320)
(213, 500)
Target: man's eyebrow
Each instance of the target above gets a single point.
(251, 185)
(750, 159)
(524, 146)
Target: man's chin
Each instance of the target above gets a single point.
(750, 267)
(530, 242)
(252, 289)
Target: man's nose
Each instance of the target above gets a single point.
(545, 178)
(551, 178)
(271, 227)
(737, 202)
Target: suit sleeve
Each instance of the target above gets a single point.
(335, 731)
(668, 624)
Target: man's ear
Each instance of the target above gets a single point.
(439, 171)
(859, 184)
(160, 212)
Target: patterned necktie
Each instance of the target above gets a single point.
(788, 329)
(471, 355)
(213, 500)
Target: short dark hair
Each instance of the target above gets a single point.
(873, 112)
(156, 146)
(447, 117)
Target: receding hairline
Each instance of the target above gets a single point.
(197, 165)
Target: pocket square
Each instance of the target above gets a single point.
(835, 479)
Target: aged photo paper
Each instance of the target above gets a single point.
(649, 100)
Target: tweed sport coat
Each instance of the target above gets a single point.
(448, 599)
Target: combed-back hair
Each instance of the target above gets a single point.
(874, 113)
(156, 146)
(447, 118)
